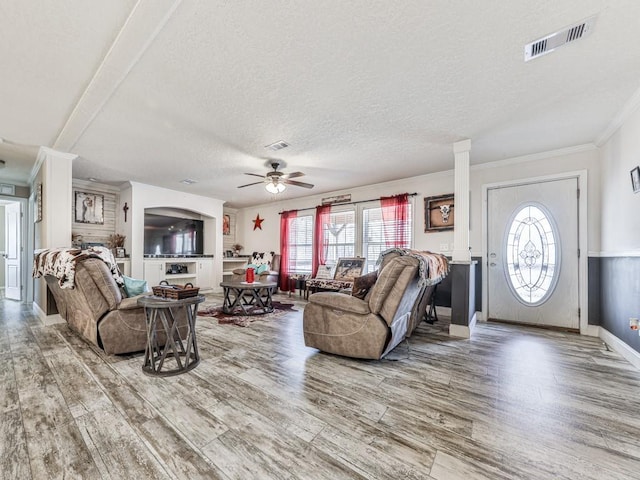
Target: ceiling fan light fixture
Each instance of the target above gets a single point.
(275, 187)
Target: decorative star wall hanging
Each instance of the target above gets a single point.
(257, 223)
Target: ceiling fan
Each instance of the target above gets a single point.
(276, 182)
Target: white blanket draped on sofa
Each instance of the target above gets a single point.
(61, 263)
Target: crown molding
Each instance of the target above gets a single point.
(630, 107)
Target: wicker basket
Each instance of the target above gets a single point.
(175, 292)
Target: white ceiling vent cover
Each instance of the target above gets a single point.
(279, 145)
(549, 43)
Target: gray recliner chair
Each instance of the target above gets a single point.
(371, 327)
(99, 312)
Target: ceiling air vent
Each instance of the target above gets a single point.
(279, 145)
(549, 43)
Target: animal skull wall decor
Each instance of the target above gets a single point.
(445, 210)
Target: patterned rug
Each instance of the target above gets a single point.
(215, 311)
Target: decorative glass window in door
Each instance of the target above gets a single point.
(532, 260)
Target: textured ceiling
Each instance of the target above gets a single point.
(157, 91)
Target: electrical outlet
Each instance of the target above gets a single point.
(444, 247)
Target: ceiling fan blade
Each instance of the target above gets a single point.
(249, 184)
(293, 175)
(297, 184)
(255, 175)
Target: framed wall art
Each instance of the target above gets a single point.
(439, 213)
(226, 224)
(635, 179)
(348, 268)
(38, 205)
(89, 208)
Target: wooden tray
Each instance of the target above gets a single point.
(175, 292)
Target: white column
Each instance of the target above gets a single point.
(57, 201)
(461, 251)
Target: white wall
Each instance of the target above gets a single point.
(140, 196)
(566, 160)
(620, 207)
(53, 169)
(2, 245)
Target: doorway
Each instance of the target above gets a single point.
(11, 250)
(533, 249)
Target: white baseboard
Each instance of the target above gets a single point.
(463, 331)
(620, 347)
(44, 318)
(591, 331)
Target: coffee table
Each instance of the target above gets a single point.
(248, 298)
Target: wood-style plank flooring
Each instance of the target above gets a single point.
(511, 403)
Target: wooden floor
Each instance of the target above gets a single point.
(510, 403)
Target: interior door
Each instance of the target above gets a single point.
(13, 277)
(533, 253)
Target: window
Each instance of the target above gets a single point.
(357, 232)
(532, 261)
(373, 235)
(341, 236)
(301, 244)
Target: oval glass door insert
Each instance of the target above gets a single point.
(532, 260)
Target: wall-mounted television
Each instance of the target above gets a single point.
(167, 235)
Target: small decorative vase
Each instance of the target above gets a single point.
(251, 275)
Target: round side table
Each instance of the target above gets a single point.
(167, 352)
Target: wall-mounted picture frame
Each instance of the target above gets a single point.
(38, 212)
(635, 179)
(439, 213)
(89, 208)
(349, 268)
(226, 224)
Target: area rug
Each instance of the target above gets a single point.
(215, 311)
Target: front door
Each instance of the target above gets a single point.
(533, 253)
(13, 276)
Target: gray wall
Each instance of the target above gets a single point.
(618, 294)
(443, 292)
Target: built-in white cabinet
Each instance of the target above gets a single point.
(205, 273)
(124, 265)
(197, 271)
(228, 264)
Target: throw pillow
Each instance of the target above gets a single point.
(261, 269)
(133, 287)
(362, 284)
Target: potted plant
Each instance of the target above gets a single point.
(236, 249)
(116, 244)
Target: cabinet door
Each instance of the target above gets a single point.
(154, 272)
(205, 273)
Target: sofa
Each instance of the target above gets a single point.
(269, 262)
(372, 326)
(98, 311)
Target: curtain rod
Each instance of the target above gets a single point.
(347, 203)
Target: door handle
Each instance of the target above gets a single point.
(492, 264)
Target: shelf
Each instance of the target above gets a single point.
(181, 275)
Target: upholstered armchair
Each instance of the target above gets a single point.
(99, 312)
(372, 326)
(266, 266)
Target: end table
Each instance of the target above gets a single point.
(167, 314)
